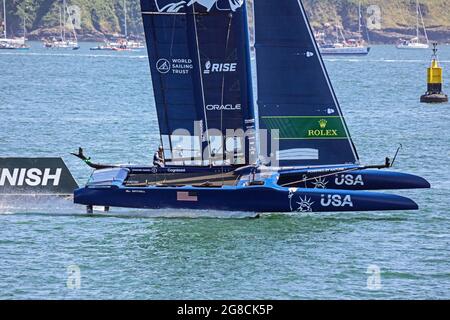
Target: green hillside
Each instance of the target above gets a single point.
(100, 18)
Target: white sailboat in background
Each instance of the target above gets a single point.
(124, 44)
(130, 44)
(344, 46)
(13, 43)
(63, 42)
(415, 43)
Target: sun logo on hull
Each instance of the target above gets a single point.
(298, 203)
(305, 205)
(320, 183)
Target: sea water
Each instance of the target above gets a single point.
(53, 101)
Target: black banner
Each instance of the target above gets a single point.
(263, 310)
(46, 176)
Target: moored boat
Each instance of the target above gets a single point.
(342, 46)
(349, 48)
(124, 44)
(416, 43)
(13, 43)
(63, 42)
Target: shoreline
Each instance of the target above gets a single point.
(387, 36)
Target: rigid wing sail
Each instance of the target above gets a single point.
(295, 95)
(299, 109)
(199, 60)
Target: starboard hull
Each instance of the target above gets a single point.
(347, 179)
(248, 189)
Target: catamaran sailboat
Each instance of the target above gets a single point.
(63, 42)
(415, 43)
(12, 44)
(302, 158)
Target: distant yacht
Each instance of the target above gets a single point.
(103, 47)
(118, 45)
(63, 42)
(130, 44)
(16, 43)
(344, 46)
(415, 43)
(121, 44)
(135, 44)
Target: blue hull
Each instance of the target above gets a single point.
(251, 189)
(243, 199)
(339, 177)
(352, 180)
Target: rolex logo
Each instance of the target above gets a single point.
(323, 123)
(325, 130)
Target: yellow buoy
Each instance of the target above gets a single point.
(435, 82)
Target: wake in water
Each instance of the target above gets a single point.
(379, 60)
(127, 56)
(60, 206)
(38, 204)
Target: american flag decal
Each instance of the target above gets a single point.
(187, 196)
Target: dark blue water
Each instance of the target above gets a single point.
(51, 102)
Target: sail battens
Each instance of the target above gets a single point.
(295, 96)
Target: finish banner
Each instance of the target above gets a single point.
(36, 176)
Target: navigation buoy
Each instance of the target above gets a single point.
(434, 93)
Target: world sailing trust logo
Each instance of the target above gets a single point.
(179, 66)
(171, 6)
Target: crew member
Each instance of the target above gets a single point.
(158, 158)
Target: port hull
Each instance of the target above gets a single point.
(246, 199)
(247, 189)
